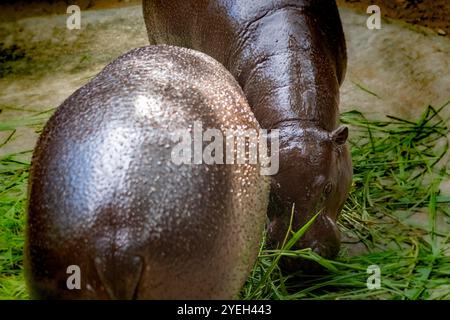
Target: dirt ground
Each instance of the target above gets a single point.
(16, 9)
(434, 14)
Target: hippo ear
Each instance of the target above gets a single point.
(340, 135)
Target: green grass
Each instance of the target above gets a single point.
(395, 211)
(13, 187)
(398, 168)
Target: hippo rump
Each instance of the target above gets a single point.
(109, 204)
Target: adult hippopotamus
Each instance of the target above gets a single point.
(289, 57)
(110, 204)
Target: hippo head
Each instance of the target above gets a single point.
(315, 176)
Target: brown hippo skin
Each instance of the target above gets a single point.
(104, 194)
(289, 57)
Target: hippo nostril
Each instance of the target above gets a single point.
(327, 250)
(318, 250)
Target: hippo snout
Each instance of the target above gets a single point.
(323, 238)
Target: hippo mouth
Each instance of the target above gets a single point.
(323, 238)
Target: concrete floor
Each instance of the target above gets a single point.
(406, 67)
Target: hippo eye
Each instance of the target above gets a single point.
(328, 188)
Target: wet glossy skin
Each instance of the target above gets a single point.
(289, 58)
(105, 195)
